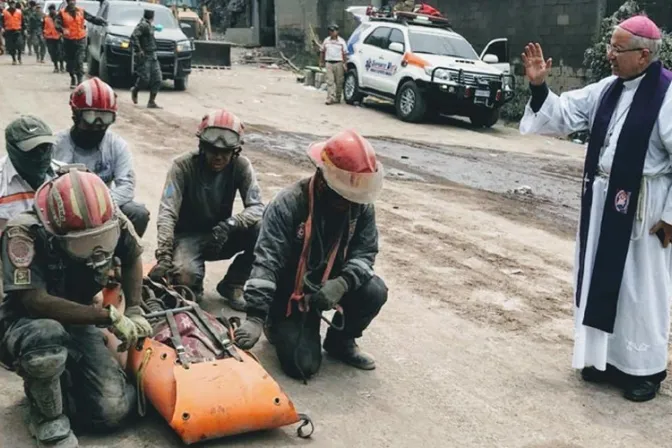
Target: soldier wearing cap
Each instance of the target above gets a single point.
(196, 221)
(316, 251)
(56, 258)
(148, 69)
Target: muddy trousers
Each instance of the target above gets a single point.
(37, 43)
(297, 337)
(192, 250)
(14, 43)
(74, 51)
(138, 215)
(335, 79)
(96, 393)
(55, 47)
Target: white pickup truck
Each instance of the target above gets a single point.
(422, 65)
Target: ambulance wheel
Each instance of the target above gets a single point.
(181, 84)
(93, 65)
(410, 103)
(351, 91)
(484, 118)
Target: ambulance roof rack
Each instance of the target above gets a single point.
(410, 18)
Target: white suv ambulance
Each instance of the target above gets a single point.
(421, 64)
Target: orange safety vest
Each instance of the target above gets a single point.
(74, 28)
(50, 31)
(12, 21)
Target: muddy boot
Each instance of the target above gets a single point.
(73, 82)
(347, 351)
(233, 294)
(51, 433)
(134, 95)
(152, 104)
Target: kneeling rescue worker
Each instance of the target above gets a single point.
(316, 251)
(55, 260)
(90, 142)
(195, 222)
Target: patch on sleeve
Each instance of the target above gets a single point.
(22, 276)
(169, 191)
(20, 249)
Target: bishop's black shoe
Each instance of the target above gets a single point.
(592, 375)
(641, 391)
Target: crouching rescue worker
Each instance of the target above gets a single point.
(316, 251)
(90, 142)
(195, 222)
(55, 260)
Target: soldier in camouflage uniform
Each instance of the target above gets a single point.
(147, 67)
(35, 23)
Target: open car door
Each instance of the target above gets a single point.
(499, 49)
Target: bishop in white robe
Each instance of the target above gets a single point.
(623, 264)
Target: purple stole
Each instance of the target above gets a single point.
(623, 194)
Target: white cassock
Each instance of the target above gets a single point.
(639, 343)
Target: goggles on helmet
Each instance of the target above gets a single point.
(221, 138)
(103, 117)
(95, 247)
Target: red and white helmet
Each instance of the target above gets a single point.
(221, 129)
(78, 210)
(349, 165)
(94, 101)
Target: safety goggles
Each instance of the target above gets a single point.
(95, 247)
(102, 117)
(221, 138)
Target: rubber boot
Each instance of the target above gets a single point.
(134, 95)
(73, 82)
(152, 104)
(347, 351)
(233, 294)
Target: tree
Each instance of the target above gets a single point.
(595, 57)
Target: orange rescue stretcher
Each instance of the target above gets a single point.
(203, 385)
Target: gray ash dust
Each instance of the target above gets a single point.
(543, 189)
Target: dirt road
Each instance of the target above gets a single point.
(474, 344)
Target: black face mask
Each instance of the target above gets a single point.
(33, 166)
(87, 139)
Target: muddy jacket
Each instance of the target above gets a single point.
(278, 249)
(41, 264)
(195, 199)
(143, 38)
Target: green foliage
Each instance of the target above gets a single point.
(595, 57)
(514, 109)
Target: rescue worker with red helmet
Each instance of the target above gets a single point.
(56, 258)
(196, 221)
(316, 250)
(105, 153)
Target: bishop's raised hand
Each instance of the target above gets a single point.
(536, 67)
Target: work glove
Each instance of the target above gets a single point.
(221, 232)
(130, 327)
(248, 333)
(330, 294)
(161, 271)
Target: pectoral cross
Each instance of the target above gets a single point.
(586, 181)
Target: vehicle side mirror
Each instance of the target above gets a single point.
(490, 59)
(397, 47)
